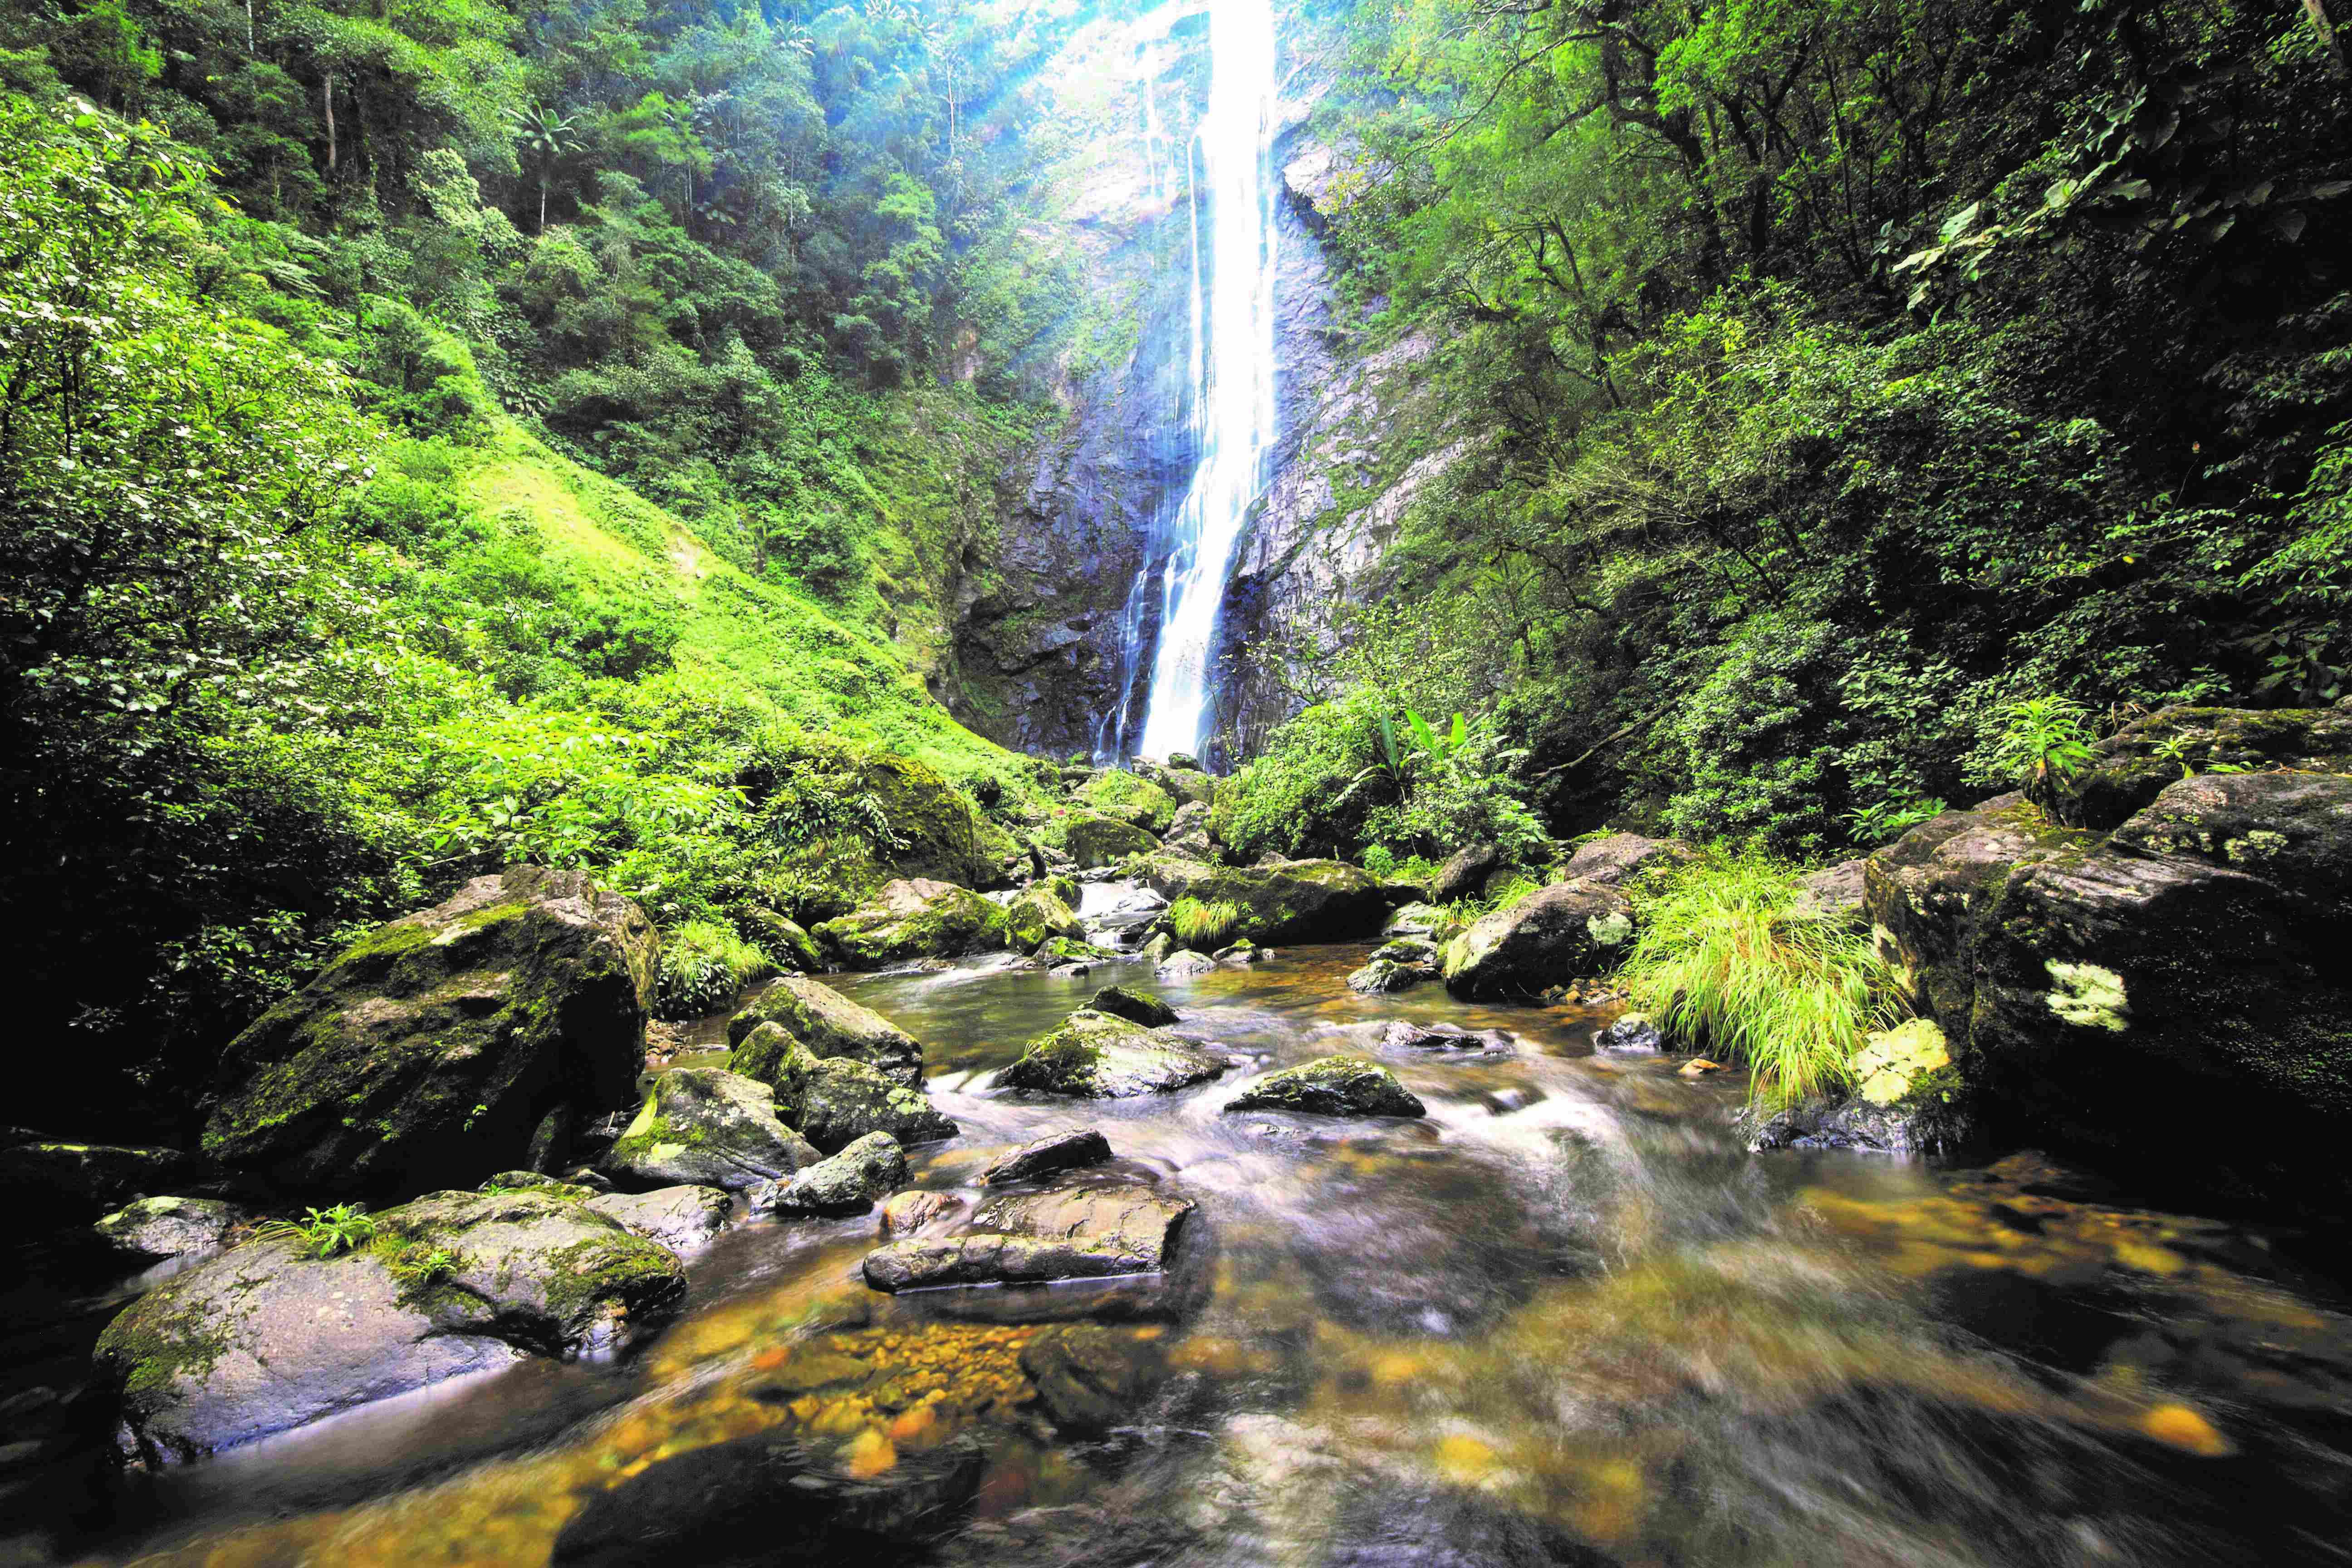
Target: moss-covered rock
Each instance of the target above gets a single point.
(429, 1052)
(829, 1024)
(1098, 1055)
(786, 942)
(1134, 1006)
(2138, 761)
(1294, 901)
(1332, 1086)
(1035, 914)
(868, 1168)
(169, 1226)
(1128, 797)
(914, 917)
(1092, 839)
(1189, 834)
(1546, 939)
(2177, 984)
(704, 1127)
(843, 1101)
(264, 1338)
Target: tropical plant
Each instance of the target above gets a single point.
(322, 1233)
(2042, 743)
(546, 138)
(1725, 961)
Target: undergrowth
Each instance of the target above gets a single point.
(704, 966)
(1204, 925)
(1725, 961)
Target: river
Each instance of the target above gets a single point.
(1564, 1319)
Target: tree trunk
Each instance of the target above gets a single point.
(327, 96)
(543, 198)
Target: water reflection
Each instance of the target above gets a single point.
(1563, 1319)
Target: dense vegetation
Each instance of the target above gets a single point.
(1851, 376)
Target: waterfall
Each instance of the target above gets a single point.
(1233, 364)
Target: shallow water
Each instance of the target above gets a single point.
(1565, 1318)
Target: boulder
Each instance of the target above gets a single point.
(766, 1498)
(1633, 1034)
(1062, 1152)
(1093, 839)
(51, 1182)
(1620, 858)
(1189, 834)
(1065, 887)
(1294, 901)
(829, 1024)
(1464, 873)
(2131, 767)
(1855, 1125)
(1895, 1066)
(841, 1100)
(848, 1182)
(266, 1337)
(1184, 964)
(1546, 939)
(708, 1128)
(2175, 984)
(1134, 1006)
(1418, 920)
(914, 917)
(1833, 893)
(1130, 797)
(169, 1226)
(1091, 1232)
(786, 942)
(679, 1218)
(1381, 976)
(1403, 1035)
(430, 1051)
(1035, 915)
(1100, 1055)
(1333, 1086)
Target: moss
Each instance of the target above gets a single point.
(2088, 996)
(1131, 798)
(619, 1271)
(153, 1346)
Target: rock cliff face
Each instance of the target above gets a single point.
(1056, 612)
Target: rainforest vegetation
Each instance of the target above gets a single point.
(438, 434)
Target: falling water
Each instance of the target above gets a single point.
(1233, 365)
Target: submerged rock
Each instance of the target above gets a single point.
(765, 1499)
(847, 1183)
(264, 1337)
(1134, 1006)
(913, 1210)
(1334, 1086)
(1545, 940)
(680, 1217)
(1093, 1376)
(1092, 1232)
(914, 917)
(704, 1127)
(169, 1226)
(1098, 1055)
(430, 1051)
(1405, 1036)
(1062, 1152)
(829, 1024)
(1858, 1125)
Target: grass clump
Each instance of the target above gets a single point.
(704, 967)
(322, 1233)
(1725, 961)
(1203, 926)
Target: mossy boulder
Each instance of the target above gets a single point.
(1093, 839)
(787, 942)
(868, 1168)
(1190, 835)
(1548, 939)
(169, 1226)
(430, 1051)
(705, 1126)
(914, 917)
(265, 1337)
(1294, 901)
(2177, 984)
(1128, 797)
(1616, 859)
(1037, 913)
(843, 1101)
(52, 1183)
(2130, 768)
(1134, 1006)
(1100, 1056)
(829, 1024)
(1333, 1086)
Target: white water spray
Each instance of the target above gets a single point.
(1233, 364)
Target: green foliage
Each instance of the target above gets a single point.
(1724, 963)
(417, 1268)
(2042, 743)
(704, 967)
(322, 1233)
(1204, 926)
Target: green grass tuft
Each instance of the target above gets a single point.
(1724, 961)
(1204, 926)
(704, 966)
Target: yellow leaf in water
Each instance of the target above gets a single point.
(2184, 1429)
(1464, 1460)
(870, 1453)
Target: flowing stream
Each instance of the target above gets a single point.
(1231, 364)
(1564, 1319)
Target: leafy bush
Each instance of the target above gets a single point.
(2042, 743)
(704, 967)
(322, 1233)
(1723, 961)
(1204, 927)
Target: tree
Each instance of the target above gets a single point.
(546, 138)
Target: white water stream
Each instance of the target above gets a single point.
(1231, 364)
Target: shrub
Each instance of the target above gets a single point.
(1724, 961)
(323, 1233)
(1204, 926)
(704, 966)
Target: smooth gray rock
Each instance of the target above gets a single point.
(169, 1226)
(679, 1218)
(1091, 1232)
(1184, 964)
(1062, 1152)
(1622, 857)
(847, 1182)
